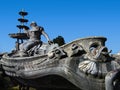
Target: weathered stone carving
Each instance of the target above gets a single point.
(34, 40)
(85, 62)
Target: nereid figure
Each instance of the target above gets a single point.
(34, 37)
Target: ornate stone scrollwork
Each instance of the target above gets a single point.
(77, 50)
(56, 52)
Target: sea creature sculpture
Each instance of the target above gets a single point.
(86, 63)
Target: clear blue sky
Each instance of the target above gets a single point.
(71, 19)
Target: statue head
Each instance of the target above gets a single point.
(33, 24)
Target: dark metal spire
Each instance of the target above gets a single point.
(22, 20)
(20, 36)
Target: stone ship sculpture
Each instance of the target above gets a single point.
(86, 63)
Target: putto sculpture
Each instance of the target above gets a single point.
(86, 63)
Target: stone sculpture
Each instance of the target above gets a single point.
(86, 63)
(34, 39)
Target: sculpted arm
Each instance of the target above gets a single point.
(45, 35)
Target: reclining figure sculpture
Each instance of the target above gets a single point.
(34, 39)
(86, 63)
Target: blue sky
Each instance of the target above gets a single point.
(71, 19)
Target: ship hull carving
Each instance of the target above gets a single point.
(86, 63)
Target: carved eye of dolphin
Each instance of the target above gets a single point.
(94, 48)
